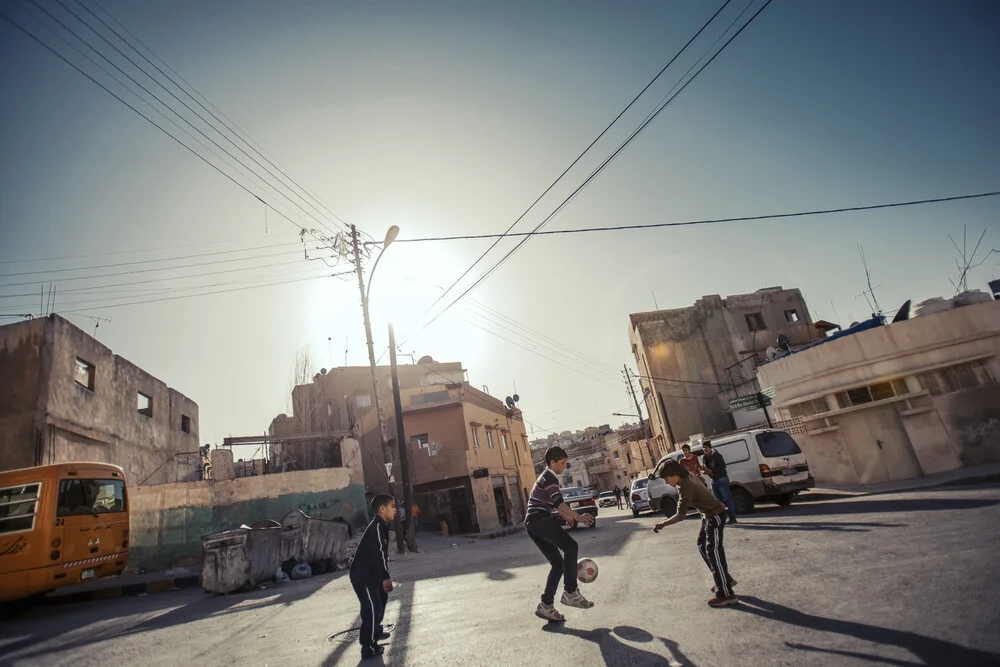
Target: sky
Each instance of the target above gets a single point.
(451, 118)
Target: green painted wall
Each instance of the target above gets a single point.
(172, 536)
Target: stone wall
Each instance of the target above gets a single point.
(169, 520)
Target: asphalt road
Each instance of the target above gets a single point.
(901, 579)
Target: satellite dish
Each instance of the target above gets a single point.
(903, 314)
(426, 360)
(322, 371)
(517, 398)
(772, 353)
(510, 402)
(784, 344)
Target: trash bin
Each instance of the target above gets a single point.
(237, 558)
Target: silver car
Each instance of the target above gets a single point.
(639, 496)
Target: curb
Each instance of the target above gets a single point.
(497, 533)
(126, 590)
(830, 492)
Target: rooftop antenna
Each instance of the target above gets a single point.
(961, 282)
(656, 305)
(873, 302)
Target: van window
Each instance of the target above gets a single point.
(17, 508)
(777, 443)
(90, 496)
(734, 452)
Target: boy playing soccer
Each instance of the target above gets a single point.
(370, 575)
(548, 535)
(713, 523)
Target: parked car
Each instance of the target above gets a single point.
(580, 501)
(639, 495)
(763, 466)
(606, 499)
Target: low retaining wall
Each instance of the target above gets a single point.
(169, 520)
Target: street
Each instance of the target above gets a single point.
(900, 579)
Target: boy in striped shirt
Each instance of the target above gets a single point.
(551, 539)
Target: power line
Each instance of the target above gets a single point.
(140, 113)
(186, 105)
(137, 250)
(580, 156)
(226, 120)
(149, 261)
(158, 280)
(65, 27)
(161, 268)
(600, 167)
(189, 296)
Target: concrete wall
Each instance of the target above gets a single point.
(102, 423)
(22, 351)
(169, 520)
(919, 432)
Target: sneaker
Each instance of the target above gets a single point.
(576, 599)
(385, 635)
(372, 652)
(732, 521)
(548, 612)
(720, 601)
(732, 582)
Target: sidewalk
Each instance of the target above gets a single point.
(983, 473)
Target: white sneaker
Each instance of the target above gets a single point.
(548, 612)
(576, 599)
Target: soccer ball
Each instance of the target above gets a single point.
(586, 570)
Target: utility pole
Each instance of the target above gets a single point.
(404, 463)
(644, 423)
(386, 450)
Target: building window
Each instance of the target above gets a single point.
(363, 401)
(475, 437)
(84, 374)
(489, 438)
(18, 505)
(792, 315)
(145, 405)
(524, 442)
(567, 479)
(329, 410)
(568, 465)
(185, 423)
(579, 483)
(861, 395)
(628, 457)
(503, 440)
(617, 455)
(956, 378)
(808, 408)
(755, 322)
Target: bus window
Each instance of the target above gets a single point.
(17, 508)
(90, 496)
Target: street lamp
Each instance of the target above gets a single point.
(390, 235)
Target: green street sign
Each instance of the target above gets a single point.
(751, 402)
(769, 392)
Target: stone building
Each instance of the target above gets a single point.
(899, 401)
(64, 396)
(693, 360)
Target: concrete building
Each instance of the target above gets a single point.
(470, 465)
(896, 402)
(64, 396)
(333, 404)
(693, 360)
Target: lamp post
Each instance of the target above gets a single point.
(390, 236)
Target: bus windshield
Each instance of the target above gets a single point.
(90, 496)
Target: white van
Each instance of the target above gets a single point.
(763, 466)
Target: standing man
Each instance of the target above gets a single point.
(628, 499)
(618, 497)
(716, 466)
(691, 463)
(415, 513)
(551, 539)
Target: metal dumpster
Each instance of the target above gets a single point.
(319, 542)
(237, 558)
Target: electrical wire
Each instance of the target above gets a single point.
(600, 167)
(580, 156)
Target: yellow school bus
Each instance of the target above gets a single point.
(61, 525)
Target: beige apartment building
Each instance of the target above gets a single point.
(693, 360)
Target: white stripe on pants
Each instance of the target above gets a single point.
(714, 553)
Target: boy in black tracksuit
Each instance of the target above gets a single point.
(370, 575)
